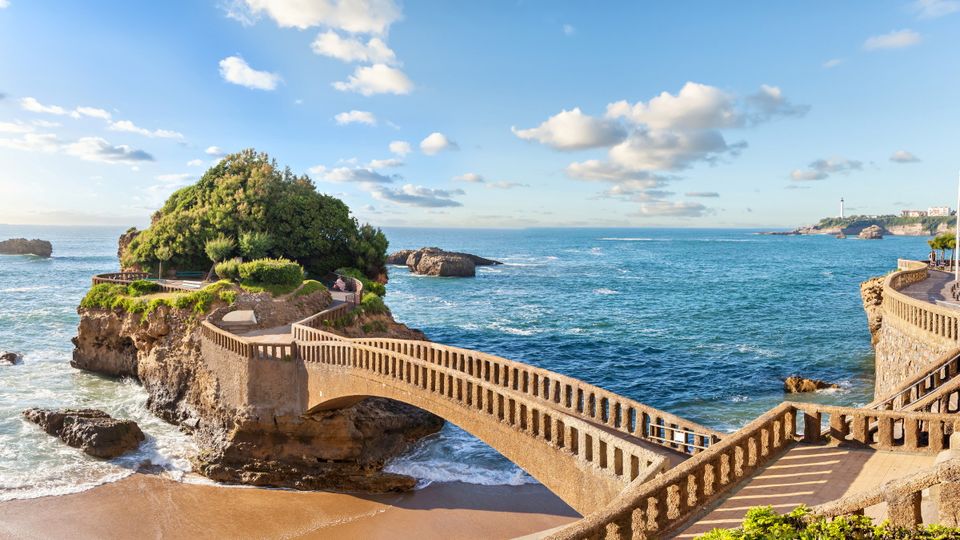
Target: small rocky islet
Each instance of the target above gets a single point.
(22, 246)
(433, 261)
(93, 431)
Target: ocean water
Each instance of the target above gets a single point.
(701, 323)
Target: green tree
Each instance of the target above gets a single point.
(163, 254)
(248, 192)
(255, 245)
(942, 242)
(218, 249)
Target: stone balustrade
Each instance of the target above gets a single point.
(918, 318)
(930, 382)
(126, 278)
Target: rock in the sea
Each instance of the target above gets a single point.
(796, 384)
(22, 246)
(433, 261)
(10, 358)
(873, 232)
(95, 432)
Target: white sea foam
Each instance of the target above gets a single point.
(442, 470)
(605, 291)
(627, 239)
(25, 289)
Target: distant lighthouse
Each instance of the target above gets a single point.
(841, 207)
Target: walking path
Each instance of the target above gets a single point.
(933, 289)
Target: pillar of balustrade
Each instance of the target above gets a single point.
(903, 509)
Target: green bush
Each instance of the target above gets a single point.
(762, 522)
(219, 248)
(229, 269)
(103, 296)
(271, 272)
(309, 286)
(255, 245)
(141, 287)
(374, 326)
(373, 305)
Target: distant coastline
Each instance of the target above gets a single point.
(890, 224)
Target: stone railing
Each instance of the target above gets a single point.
(931, 379)
(308, 329)
(586, 401)
(353, 296)
(919, 318)
(599, 450)
(664, 505)
(903, 497)
(124, 278)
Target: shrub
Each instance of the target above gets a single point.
(373, 305)
(254, 245)
(271, 272)
(219, 248)
(229, 269)
(374, 326)
(309, 286)
(141, 287)
(103, 296)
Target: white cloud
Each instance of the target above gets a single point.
(215, 151)
(769, 102)
(702, 194)
(671, 151)
(32, 105)
(897, 39)
(195, 163)
(234, 69)
(92, 112)
(832, 63)
(46, 123)
(470, 178)
(573, 130)
(356, 117)
(400, 148)
(130, 127)
(351, 175)
(696, 106)
(33, 142)
(506, 185)
(376, 79)
(420, 196)
(15, 127)
(569, 30)
(98, 149)
(931, 9)
(821, 169)
(671, 209)
(4, 4)
(355, 16)
(175, 178)
(351, 49)
(902, 156)
(387, 163)
(604, 171)
(435, 143)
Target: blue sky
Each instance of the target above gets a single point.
(486, 114)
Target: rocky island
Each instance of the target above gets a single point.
(433, 261)
(888, 225)
(22, 246)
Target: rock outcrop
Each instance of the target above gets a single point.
(871, 293)
(123, 243)
(873, 232)
(10, 358)
(796, 384)
(342, 449)
(22, 246)
(95, 432)
(432, 261)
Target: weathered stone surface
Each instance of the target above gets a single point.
(251, 439)
(873, 232)
(10, 358)
(795, 384)
(22, 246)
(123, 243)
(93, 431)
(871, 293)
(432, 261)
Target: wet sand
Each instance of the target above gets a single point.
(142, 506)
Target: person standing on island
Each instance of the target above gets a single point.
(933, 257)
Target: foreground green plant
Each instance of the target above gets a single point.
(116, 296)
(763, 523)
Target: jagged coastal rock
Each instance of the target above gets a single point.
(123, 243)
(796, 384)
(871, 293)
(433, 261)
(10, 358)
(94, 432)
(342, 449)
(22, 246)
(873, 232)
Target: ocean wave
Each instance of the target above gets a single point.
(442, 470)
(605, 291)
(626, 239)
(25, 289)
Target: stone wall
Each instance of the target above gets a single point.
(901, 354)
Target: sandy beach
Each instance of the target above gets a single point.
(143, 506)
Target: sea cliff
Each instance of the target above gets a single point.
(889, 226)
(242, 443)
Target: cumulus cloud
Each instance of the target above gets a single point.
(92, 112)
(671, 209)
(100, 150)
(354, 16)
(351, 49)
(400, 148)
(130, 127)
(15, 127)
(897, 39)
(702, 194)
(376, 79)
(387, 163)
(573, 130)
(470, 178)
(506, 185)
(821, 169)
(356, 117)
(902, 156)
(195, 163)
(411, 195)
(32, 105)
(931, 9)
(215, 151)
(234, 69)
(362, 175)
(671, 150)
(435, 143)
(768, 103)
(32, 142)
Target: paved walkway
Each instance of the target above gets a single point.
(810, 475)
(935, 288)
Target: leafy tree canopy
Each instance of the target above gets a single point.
(280, 214)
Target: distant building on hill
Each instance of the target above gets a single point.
(913, 213)
(939, 211)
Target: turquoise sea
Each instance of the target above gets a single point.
(703, 323)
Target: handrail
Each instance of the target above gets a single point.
(941, 370)
(126, 278)
(932, 321)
